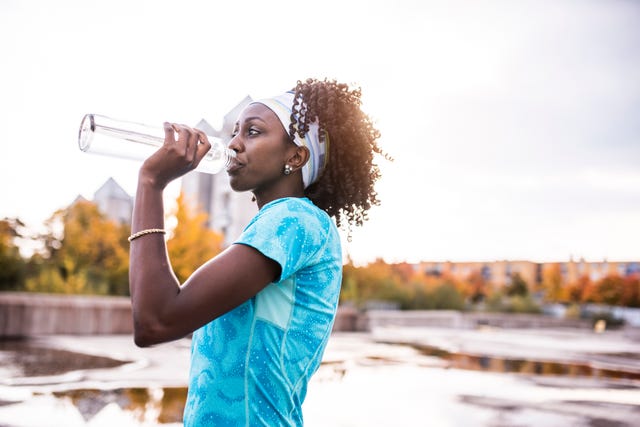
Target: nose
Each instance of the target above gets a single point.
(235, 144)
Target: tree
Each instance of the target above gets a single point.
(579, 290)
(610, 290)
(446, 296)
(552, 282)
(378, 281)
(191, 243)
(476, 286)
(517, 287)
(12, 265)
(84, 252)
(419, 297)
(632, 290)
(349, 290)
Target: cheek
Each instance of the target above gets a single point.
(271, 168)
(263, 166)
(270, 159)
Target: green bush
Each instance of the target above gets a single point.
(500, 303)
(447, 297)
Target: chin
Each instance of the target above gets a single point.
(237, 186)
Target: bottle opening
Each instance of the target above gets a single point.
(85, 134)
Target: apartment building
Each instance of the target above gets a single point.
(500, 273)
(497, 273)
(114, 202)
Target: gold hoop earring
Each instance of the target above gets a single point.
(288, 169)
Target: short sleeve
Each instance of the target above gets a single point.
(290, 231)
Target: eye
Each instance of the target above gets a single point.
(252, 131)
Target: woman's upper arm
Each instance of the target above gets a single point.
(218, 286)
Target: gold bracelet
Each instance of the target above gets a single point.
(147, 231)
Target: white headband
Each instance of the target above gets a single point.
(317, 145)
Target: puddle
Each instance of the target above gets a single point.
(142, 405)
(350, 371)
(156, 405)
(26, 358)
(524, 366)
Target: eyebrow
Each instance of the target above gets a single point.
(248, 119)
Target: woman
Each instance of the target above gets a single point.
(261, 312)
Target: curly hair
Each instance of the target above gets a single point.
(345, 190)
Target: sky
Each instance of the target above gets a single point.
(514, 126)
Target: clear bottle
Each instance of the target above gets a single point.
(117, 138)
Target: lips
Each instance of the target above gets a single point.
(234, 166)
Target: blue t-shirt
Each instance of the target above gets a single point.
(250, 367)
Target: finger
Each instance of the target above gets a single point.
(203, 146)
(184, 136)
(170, 132)
(202, 137)
(183, 132)
(192, 144)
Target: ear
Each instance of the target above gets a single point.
(299, 158)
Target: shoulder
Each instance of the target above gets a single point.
(293, 210)
(293, 232)
(291, 222)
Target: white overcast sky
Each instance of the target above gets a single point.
(515, 125)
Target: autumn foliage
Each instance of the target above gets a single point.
(191, 243)
(12, 266)
(406, 287)
(400, 285)
(83, 252)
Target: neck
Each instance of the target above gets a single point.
(290, 186)
(263, 199)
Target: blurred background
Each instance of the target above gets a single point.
(498, 281)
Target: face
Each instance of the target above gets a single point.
(262, 148)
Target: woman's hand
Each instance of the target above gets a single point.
(177, 156)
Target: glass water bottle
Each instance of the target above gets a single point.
(117, 138)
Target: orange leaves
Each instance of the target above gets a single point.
(191, 243)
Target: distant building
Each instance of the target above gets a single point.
(114, 202)
(497, 273)
(229, 212)
(500, 273)
(571, 271)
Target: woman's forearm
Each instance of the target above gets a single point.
(152, 283)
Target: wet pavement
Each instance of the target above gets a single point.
(390, 377)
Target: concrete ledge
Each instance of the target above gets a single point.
(32, 314)
(24, 314)
(462, 320)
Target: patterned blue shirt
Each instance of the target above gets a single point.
(250, 367)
